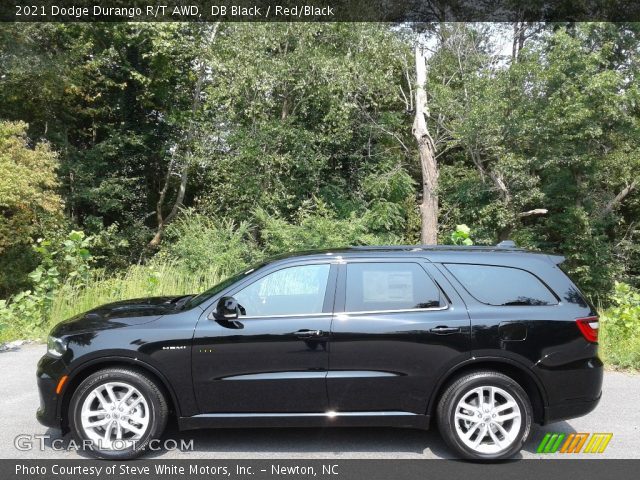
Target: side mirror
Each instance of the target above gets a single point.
(228, 309)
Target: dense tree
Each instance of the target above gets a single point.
(113, 100)
(29, 204)
(544, 149)
(282, 128)
(305, 111)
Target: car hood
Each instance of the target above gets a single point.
(118, 314)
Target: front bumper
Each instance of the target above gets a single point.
(49, 372)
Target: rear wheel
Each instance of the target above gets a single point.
(117, 412)
(485, 415)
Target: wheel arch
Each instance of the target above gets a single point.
(518, 372)
(90, 367)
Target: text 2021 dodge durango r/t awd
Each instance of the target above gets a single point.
(482, 341)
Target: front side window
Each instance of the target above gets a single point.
(291, 291)
(389, 286)
(502, 286)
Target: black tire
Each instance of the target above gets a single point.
(158, 410)
(461, 387)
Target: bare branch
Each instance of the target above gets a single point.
(382, 129)
(535, 211)
(409, 83)
(617, 199)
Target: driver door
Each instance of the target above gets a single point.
(274, 358)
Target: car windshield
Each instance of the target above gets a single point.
(207, 294)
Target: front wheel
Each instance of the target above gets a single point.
(485, 415)
(116, 412)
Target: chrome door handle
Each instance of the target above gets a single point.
(443, 330)
(308, 333)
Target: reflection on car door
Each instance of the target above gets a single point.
(274, 358)
(394, 332)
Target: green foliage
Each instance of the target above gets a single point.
(556, 130)
(304, 111)
(302, 138)
(461, 235)
(620, 324)
(64, 266)
(136, 282)
(15, 264)
(316, 227)
(112, 100)
(199, 243)
(29, 204)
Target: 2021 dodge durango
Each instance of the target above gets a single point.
(482, 341)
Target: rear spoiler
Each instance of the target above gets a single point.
(556, 259)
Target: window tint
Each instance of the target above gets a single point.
(389, 286)
(502, 285)
(290, 291)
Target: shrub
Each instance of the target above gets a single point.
(199, 243)
(620, 335)
(29, 203)
(64, 267)
(316, 227)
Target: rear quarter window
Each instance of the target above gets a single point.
(502, 286)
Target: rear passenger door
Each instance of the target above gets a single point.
(398, 325)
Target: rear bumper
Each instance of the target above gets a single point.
(572, 390)
(569, 410)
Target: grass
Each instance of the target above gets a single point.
(137, 282)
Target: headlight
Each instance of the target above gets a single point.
(56, 346)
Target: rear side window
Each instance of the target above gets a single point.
(495, 285)
(389, 286)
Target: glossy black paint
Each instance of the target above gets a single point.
(336, 367)
(384, 361)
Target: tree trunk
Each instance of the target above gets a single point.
(184, 174)
(427, 155)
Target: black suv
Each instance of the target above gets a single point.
(482, 340)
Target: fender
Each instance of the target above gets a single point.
(125, 358)
(521, 367)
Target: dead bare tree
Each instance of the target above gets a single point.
(426, 153)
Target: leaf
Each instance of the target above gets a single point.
(463, 229)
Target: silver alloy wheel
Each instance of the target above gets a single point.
(487, 419)
(115, 416)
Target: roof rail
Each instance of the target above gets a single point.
(507, 244)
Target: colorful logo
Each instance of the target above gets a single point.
(573, 442)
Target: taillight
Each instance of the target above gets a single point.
(589, 328)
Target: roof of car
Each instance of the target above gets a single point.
(439, 252)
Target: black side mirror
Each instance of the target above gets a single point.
(228, 309)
